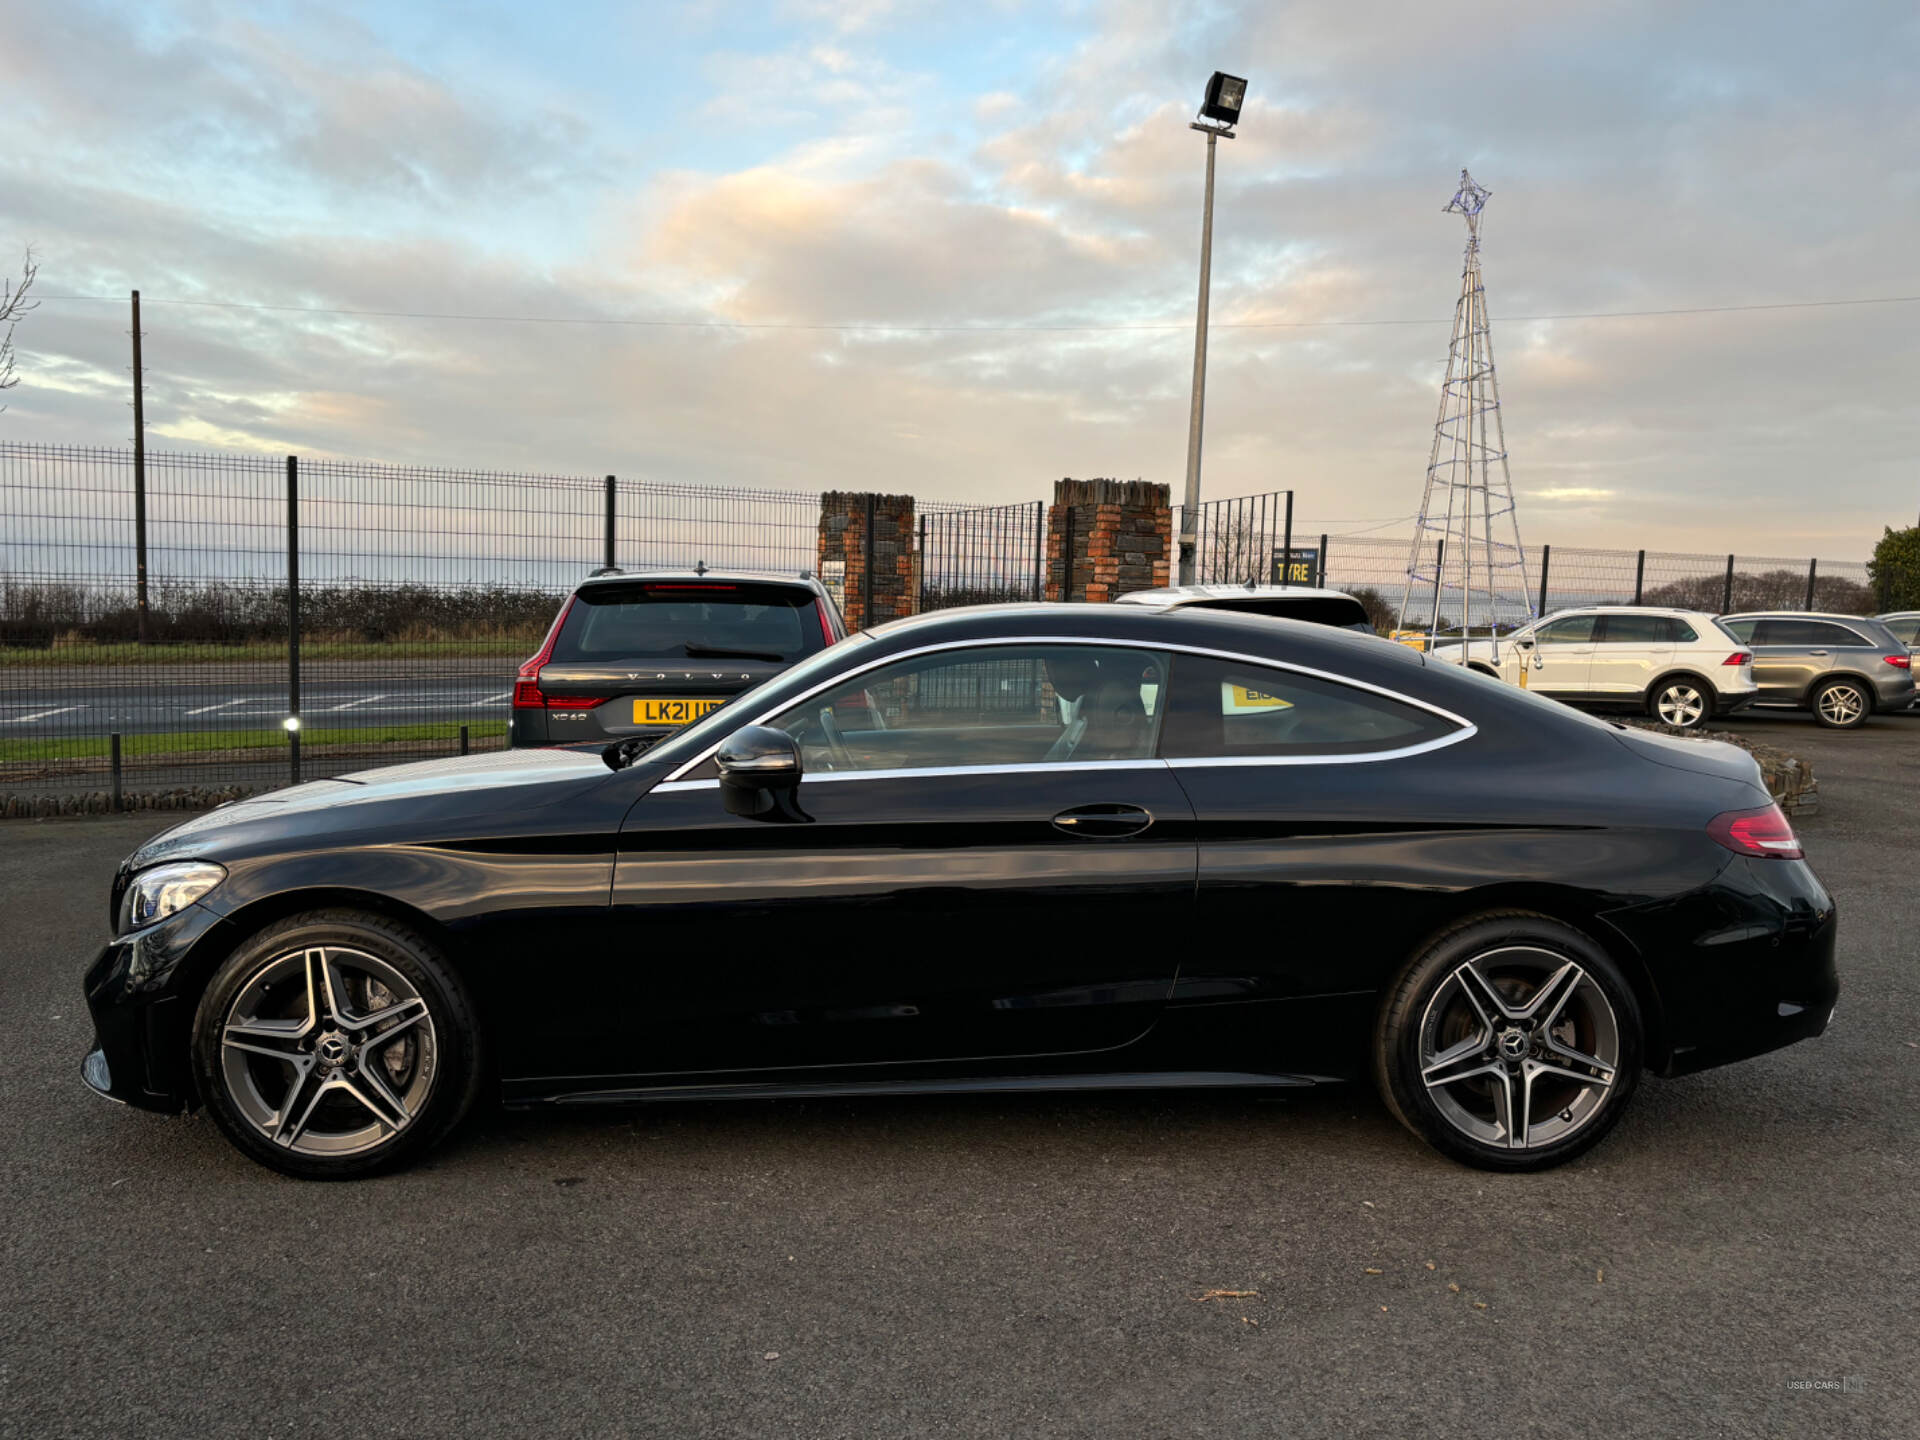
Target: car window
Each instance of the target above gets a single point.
(986, 705)
(1741, 630)
(1906, 630)
(1220, 708)
(1567, 630)
(1636, 630)
(1806, 634)
(1681, 632)
(655, 620)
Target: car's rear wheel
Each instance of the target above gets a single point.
(336, 1044)
(1842, 704)
(1511, 1042)
(1683, 701)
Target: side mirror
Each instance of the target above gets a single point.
(760, 773)
(1524, 644)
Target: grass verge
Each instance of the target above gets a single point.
(188, 743)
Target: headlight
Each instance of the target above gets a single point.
(155, 894)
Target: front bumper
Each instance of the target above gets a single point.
(140, 991)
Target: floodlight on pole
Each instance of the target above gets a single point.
(1224, 97)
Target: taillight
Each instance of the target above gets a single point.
(526, 689)
(1764, 832)
(1900, 662)
(527, 695)
(1739, 657)
(826, 626)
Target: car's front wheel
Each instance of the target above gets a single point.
(1842, 704)
(1511, 1042)
(335, 1044)
(1682, 701)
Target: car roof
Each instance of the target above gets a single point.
(1794, 615)
(691, 576)
(1170, 595)
(1897, 615)
(1624, 610)
(1274, 637)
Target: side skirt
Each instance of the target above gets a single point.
(948, 1085)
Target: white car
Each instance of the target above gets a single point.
(1678, 666)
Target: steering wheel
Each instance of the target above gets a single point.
(838, 756)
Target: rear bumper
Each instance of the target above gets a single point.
(1731, 704)
(1758, 972)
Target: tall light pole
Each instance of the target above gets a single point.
(1225, 93)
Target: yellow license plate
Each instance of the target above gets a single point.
(672, 712)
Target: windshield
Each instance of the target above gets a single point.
(685, 744)
(677, 619)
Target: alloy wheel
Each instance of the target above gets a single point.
(328, 1051)
(1681, 704)
(1842, 705)
(1519, 1048)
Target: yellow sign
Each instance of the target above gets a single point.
(672, 712)
(1239, 700)
(1414, 639)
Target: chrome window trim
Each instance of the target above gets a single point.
(1466, 728)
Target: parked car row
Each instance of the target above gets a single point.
(1684, 667)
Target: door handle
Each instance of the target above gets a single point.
(1822, 653)
(1103, 822)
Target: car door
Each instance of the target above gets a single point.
(978, 876)
(1629, 653)
(1304, 821)
(1787, 657)
(1560, 658)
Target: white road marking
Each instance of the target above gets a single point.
(223, 705)
(41, 715)
(365, 700)
(494, 699)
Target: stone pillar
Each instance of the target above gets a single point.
(866, 555)
(1107, 537)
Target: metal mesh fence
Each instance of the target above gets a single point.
(150, 648)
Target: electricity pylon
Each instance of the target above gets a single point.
(1466, 566)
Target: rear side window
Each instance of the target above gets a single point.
(1224, 709)
(1906, 630)
(1807, 633)
(1741, 630)
(1636, 630)
(1319, 610)
(680, 620)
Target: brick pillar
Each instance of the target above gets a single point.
(1107, 537)
(847, 544)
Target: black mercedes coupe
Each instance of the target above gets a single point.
(1035, 847)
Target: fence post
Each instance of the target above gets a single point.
(1321, 581)
(1639, 576)
(1813, 570)
(1040, 550)
(1286, 545)
(607, 556)
(1726, 596)
(1546, 567)
(293, 618)
(866, 568)
(920, 598)
(139, 483)
(464, 746)
(118, 802)
(1439, 569)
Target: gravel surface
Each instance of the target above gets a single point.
(998, 1266)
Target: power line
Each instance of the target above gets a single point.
(882, 328)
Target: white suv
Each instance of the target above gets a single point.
(1678, 666)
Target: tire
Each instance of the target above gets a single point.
(1682, 701)
(336, 1044)
(1842, 704)
(1443, 1068)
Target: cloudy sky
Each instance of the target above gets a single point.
(950, 248)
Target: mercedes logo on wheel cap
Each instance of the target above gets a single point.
(1513, 1043)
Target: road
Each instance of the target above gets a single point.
(135, 700)
(990, 1266)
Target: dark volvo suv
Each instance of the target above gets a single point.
(636, 656)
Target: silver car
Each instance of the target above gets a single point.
(1841, 667)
